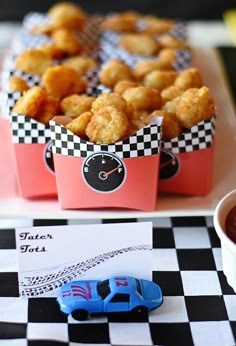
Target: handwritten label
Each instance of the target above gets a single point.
(26, 236)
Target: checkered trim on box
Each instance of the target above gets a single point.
(198, 137)
(8, 101)
(28, 131)
(145, 142)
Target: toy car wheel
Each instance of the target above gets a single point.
(80, 314)
(140, 310)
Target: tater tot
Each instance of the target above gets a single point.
(122, 85)
(115, 71)
(154, 25)
(167, 56)
(121, 22)
(195, 105)
(143, 98)
(170, 92)
(47, 110)
(61, 81)
(67, 15)
(189, 78)
(109, 99)
(168, 41)
(18, 84)
(171, 126)
(81, 64)
(67, 41)
(75, 105)
(143, 67)
(170, 106)
(33, 61)
(107, 126)
(159, 79)
(139, 44)
(78, 125)
(30, 102)
(52, 50)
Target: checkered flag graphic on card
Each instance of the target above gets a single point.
(198, 137)
(145, 142)
(27, 130)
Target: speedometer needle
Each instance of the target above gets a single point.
(111, 171)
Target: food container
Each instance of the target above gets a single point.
(34, 159)
(123, 175)
(228, 247)
(186, 163)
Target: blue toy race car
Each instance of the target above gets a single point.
(116, 294)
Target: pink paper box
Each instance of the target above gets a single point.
(123, 175)
(34, 159)
(186, 164)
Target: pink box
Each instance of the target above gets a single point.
(34, 160)
(123, 175)
(186, 163)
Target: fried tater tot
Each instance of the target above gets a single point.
(143, 98)
(81, 64)
(171, 126)
(122, 85)
(109, 99)
(143, 67)
(195, 105)
(67, 41)
(167, 56)
(170, 93)
(52, 50)
(121, 22)
(170, 106)
(33, 61)
(75, 105)
(30, 102)
(115, 71)
(159, 80)
(154, 25)
(67, 15)
(168, 41)
(18, 84)
(139, 44)
(61, 81)
(62, 119)
(189, 78)
(48, 109)
(78, 125)
(107, 126)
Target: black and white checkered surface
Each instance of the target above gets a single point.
(199, 137)
(145, 142)
(27, 130)
(199, 307)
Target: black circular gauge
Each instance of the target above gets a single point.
(103, 172)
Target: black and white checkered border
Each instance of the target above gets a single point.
(145, 142)
(198, 137)
(8, 101)
(28, 131)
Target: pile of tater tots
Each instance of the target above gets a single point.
(137, 94)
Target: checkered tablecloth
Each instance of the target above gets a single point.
(199, 307)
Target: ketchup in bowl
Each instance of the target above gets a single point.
(230, 224)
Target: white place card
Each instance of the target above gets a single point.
(50, 256)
